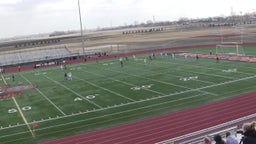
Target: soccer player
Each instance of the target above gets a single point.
(173, 56)
(134, 57)
(217, 58)
(65, 75)
(13, 77)
(145, 61)
(186, 57)
(69, 76)
(121, 62)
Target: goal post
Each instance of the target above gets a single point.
(230, 49)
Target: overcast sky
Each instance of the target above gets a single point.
(25, 17)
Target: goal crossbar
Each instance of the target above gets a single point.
(230, 49)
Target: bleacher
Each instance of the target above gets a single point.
(25, 56)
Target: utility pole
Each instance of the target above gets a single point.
(81, 28)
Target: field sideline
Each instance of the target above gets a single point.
(102, 94)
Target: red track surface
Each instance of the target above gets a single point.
(167, 126)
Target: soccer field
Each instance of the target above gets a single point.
(103, 94)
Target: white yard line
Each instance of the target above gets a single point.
(123, 82)
(218, 69)
(69, 89)
(167, 83)
(44, 96)
(105, 89)
(197, 72)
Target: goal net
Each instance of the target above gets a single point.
(230, 49)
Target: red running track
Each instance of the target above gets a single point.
(168, 126)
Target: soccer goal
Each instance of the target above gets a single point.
(230, 49)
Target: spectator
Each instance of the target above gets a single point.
(249, 133)
(207, 140)
(231, 139)
(218, 139)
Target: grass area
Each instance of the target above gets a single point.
(104, 94)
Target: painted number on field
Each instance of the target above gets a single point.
(87, 97)
(230, 70)
(189, 78)
(142, 87)
(13, 110)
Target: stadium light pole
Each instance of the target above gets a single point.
(81, 29)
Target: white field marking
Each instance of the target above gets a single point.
(44, 96)
(198, 72)
(69, 89)
(75, 68)
(106, 64)
(13, 110)
(205, 81)
(167, 83)
(218, 69)
(189, 78)
(168, 72)
(21, 114)
(130, 110)
(124, 82)
(201, 73)
(230, 70)
(104, 89)
(77, 99)
(81, 113)
(115, 106)
(90, 97)
(190, 88)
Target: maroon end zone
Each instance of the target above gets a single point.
(169, 126)
(13, 91)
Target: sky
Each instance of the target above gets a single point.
(26, 17)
